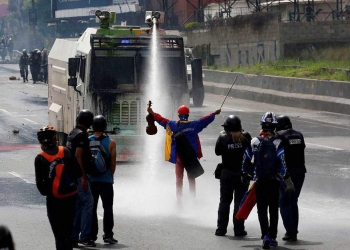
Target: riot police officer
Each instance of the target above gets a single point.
(231, 145)
(23, 65)
(294, 147)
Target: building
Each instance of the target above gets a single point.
(71, 17)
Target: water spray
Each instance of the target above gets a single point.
(154, 18)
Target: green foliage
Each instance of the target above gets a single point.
(327, 70)
(214, 67)
(193, 26)
(18, 27)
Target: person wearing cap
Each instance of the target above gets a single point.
(231, 145)
(191, 129)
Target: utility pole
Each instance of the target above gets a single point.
(32, 23)
(200, 16)
(339, 10)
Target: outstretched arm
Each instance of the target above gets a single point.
(205, 121)
(158, 118)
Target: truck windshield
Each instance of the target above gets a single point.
(109, 72)
(171, 70)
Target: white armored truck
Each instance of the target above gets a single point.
(105, 71)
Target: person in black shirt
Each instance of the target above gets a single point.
(60, 211)
(231, 145)
(78, 143)
(294, 151)
(23, 65)
(44, 65)
(35, 65)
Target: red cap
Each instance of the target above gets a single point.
(183, 110)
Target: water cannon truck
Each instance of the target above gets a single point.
(105, 71)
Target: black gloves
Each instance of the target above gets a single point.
(246, 178)
(289, 185)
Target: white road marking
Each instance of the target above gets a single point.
(19, 176)
(99, 217)
(3, 110)
(30, 121)
(208, 138)
(325, 125)
(239, 110)
(29, 85)
(323, 146)
(313, 211)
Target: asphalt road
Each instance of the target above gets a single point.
(145, 209)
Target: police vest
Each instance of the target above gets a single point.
(294, 150)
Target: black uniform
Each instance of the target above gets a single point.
(3, 49)
(32, 66)
(36, 62)
(23, 65)
(78, 137)
(44, 65)
(60, 211)
(230, 181)
(294, 147)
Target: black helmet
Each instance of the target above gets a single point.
(47, 135)
(99, 124)
(247, 136)
(85, 117)
(283, 123)
(6, 240)
(232, 123)
(268, 121)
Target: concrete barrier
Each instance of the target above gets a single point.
(331, 96)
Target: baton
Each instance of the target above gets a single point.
(228, 92)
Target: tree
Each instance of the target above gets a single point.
(18, 26)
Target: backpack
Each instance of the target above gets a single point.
(61, 180)
(99, 160)
(267, 161)
(74, 133)
(187, 155)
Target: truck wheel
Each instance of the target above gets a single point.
(198, 97)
